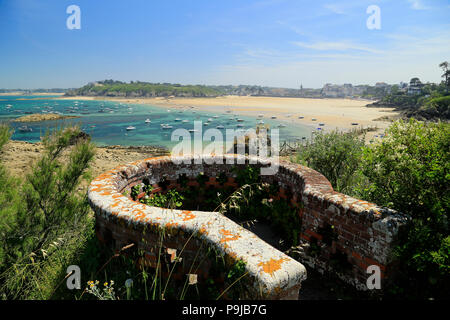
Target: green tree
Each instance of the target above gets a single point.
(46, 213)
(446, 74)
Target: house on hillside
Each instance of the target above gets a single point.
(415, 86)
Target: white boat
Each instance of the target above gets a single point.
(220, 127)
(185, 121)
(177, 119)
(210, 119)
(215, 116)
(273, 117)
(148, 121)
(239, 125)
(301, 117)
(313, 119)
(321, 124)
(192, 130)
(240, 120)
(260, 115)
(167, 127)
(25, 129)
(260, 122)
(206, 124)
(281, 125)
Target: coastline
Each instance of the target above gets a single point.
(334, 113)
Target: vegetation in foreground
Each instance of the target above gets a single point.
(409, 171)
(45, 224)
(43, 220)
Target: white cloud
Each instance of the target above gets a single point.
(334, 8)
(335, 46)
(400, 57)
(418, 5)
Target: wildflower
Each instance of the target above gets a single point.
(192, 278)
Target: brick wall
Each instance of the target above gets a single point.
(339, 234)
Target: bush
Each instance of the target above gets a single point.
(336, 155)
(409, 172)
(43, 218)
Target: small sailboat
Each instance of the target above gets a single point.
(25, 129)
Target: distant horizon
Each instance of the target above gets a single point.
(269, 43)
(213, 85)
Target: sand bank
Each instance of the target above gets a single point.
(36, 117)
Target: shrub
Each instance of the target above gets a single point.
(336, 155)
(409, 171)
(43, 217)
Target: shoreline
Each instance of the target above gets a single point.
(17, 156)
(335, 113)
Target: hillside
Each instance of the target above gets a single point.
(112, 88)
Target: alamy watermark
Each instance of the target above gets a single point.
(259, 144)
(374, 280)
(73, 277)
(373, 22)
(74, 20)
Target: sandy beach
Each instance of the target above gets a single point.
(334, 113)
(18, 156)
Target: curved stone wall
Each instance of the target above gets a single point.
(363, 231)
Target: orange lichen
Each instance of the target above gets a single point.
(171, 224)
(188, 215)
(228, 236)
(272, 265)
(203, 231)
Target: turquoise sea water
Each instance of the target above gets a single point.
(106, 121)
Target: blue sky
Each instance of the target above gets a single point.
(281, 43)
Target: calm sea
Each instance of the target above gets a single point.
(107, 121)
